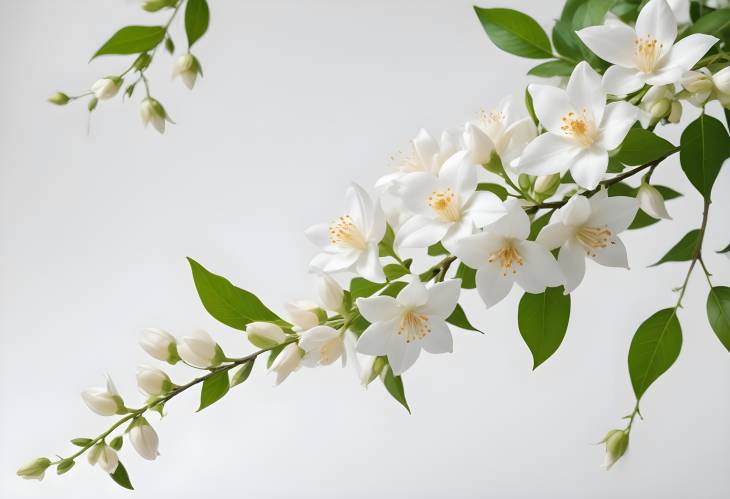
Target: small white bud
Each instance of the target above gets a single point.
(186, 67)
(152, 111)
(330, 292)
(59, 99)
(106, 88)
(104, 456)
(547, 184)
(478, 143)
(265, 334)
(675, 113)
(160, 345)
(200, 350)
(651, 201)
(104, 401)
(153, 381)
(304, 314)
(617, 441)
(721, 80)
(144, 439)
(697, 82)
(34, 470)
(287, 362)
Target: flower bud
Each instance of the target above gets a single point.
(478, 143)
(697, 82)
(152, 111)
(265, 334)
(547, 184)
(34, 470)
(155, 5)
(660, 108)
(721, 80)
(287, 362)
(159, 344)
(59, 99)
(617, 441)
(106, 88)
(330, 292)
(675, 113)
(152, 381)
(144, 439)
(187, 67)
(200, 350)
(651, 201)
(104, 456)
(91, 105)
(305, 314)
(105, 402)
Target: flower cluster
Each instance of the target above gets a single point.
(507, 198)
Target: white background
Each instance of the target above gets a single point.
(299, 99)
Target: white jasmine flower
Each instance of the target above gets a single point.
(200, 350)
(351, 241)
(152, 111)
(721, 80)
(699, 84)
(144, 439)
(304, 314)
(415, 319)
(646, 54)
(589, 227)
(265, 334)
(330, 292)
(106, 88)
(680, 9)
(160, 345)
(581, 129)
(651, 201)
(187, 67)
(502, 256)
(322, 345)
(498, 131)
(446, 207)
(104, 456)
(287, 362)
(104, 401)
(153, 381)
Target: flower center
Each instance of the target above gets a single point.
(509, 258)
(413, 326)
(445, 205)
(345, 233)
(647, 53)
(594, 238)
(580, 128)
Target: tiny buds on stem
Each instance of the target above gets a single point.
(546, 185)
(152, 111)
(104, 456)
(144, 439)
(141, 63)
(651, 201)
(617, 441)
(265, 334)
(330, 292)
(200, 350)
(160, 345)
(152, 381)
(106, 88)
(187, 67)
(105, 402)
(305, 314)
(34, 470)
(59, 99)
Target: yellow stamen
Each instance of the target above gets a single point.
(413, 326)
(594, 238)
(445, 204)
(345, 233)
(647, 53)
(581, 128)
(509, 258)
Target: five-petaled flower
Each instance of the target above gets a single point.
(581, 128)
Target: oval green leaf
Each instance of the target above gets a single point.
(214, 388)
(197, 18)
(132, 40)
(684, 250)
(552, 68)
(543, 320)
(705, 147)
(718, 313)
(243, 373)
(642, 146)
(458, 318)
(394, 385)
(515, 32)
(121, 476)
(654, 349)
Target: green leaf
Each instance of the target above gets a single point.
(595, 11)
(116, 442)
(654, 349)
(361, 288)
(724, 250)
(705, 146)
(552, 68)
(121, 476)
(64, 466)
(81, 442)
(543, 320)
(684, 250)
(214, 388)
(385, 246)
(515, 32)
(437, 249)
(197, 18)
(496, 189)
(467, 276)
(627, 11)
(570, 8)
(538, 224)
(132, 40)
(395, 271)
(718, 313)
(359, 325)
(393, 288)
(641, 146)
(394, 385)
(243, 373)
(230, 305)
(565, 40)
(458, 318)
(713, 23)
(530, 107)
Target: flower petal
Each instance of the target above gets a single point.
(514, 224)
(554, 235)
(589, 167)
(426, 149)
(547, 154)
(402, 355)
(615, 212)
(475, 250)
(368, 264)
(484, 208)
(618, 80)
(359, 207)
(686, 53)
(539, 270)
(316, 337)
(493, 284)
(572, 262)
(417, 187)
(478, 143)
(618, 119)
(375, 339)
(613, 255)
(460, 173)
(575, 212)
(611, 42)
(318, 235)
(414, 294)
(657, 21)
(584, 90)
(420, 231)
(442, 298)
(517, 136)
(550, 104)
(378, 308)
(439, 339)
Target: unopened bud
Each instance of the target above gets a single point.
(142, 61)
(34, 470)
(617, 441)
(305, 314)
(159, 344)
(660, 108)
(721, 79)
(547, 184)
(697, 82)
(651, 201)
(144, 439)
(153, 381)
(675, 113)
(152, 111)
(106, 88)
(104, 456)
(104, 401)
(200, 350)
(187, 67)
(59, 99)
(265, 334)
(330, 292)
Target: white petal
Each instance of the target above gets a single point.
(493, 284)
(572, 262)
(656, 20)
(420, 231)
(375, 339)
(611, 42)
(484, 208)
(554, 235)
(548, 154)
(576, 211)
(457, 231)
(416, 189)
(615, 212)
(376, 231)
(439, 339)
(475, 250)
(442, 298)
(335, 262)
(426, 148)
(368, 264)
(402, 355)
(551, 104)
(359, 207)
(613, 255)
(514, 224)
(478, 143)
(589, 167)
(584, 90)
(618, 119)
(520, 134)
(540, 270)
(460, 173)
(318, 235)
(687, 52)
(316, 337)
(378, 308)
(414, 294)
(618, 80)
